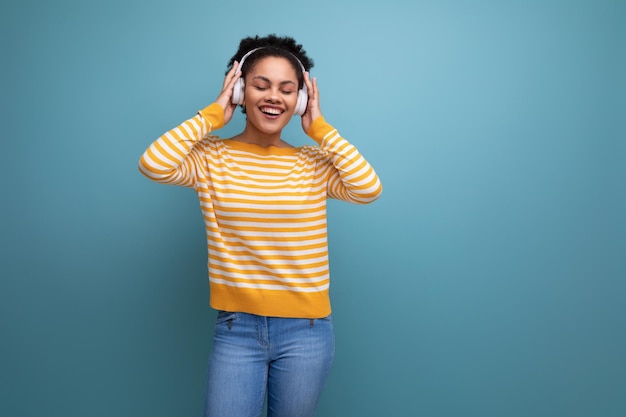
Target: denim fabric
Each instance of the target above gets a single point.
(285, 360)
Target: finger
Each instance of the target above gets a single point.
(233, 79)
(315, 89)
(233, 74)
(307, 80)
(234, 69)
(230, 84)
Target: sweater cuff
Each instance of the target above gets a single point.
(319, 129)
(214, 115)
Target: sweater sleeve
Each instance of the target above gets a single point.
(175, 157)
(352, 178)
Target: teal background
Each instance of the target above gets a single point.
(488, 280)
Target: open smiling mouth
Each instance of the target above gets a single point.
(271, 111)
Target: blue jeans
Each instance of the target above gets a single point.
(285, 360)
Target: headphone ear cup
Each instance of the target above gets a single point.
(238, 92)
(303, 98)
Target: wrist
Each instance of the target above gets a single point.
(318, 129)
(214, 114)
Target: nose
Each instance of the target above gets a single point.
(273, 95)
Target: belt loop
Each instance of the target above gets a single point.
(311, 322)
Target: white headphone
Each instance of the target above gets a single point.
(303, 95)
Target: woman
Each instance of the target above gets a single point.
(264, 206)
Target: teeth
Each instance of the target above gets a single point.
(270, 110)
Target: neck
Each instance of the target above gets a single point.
(256, 137)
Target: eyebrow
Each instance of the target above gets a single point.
(267, 80)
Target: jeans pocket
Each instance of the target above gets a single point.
(225, 317)
(327, 318)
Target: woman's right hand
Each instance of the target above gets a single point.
(225, 97)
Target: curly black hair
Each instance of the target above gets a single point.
(272, 45)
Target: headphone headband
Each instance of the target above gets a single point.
(247, 54)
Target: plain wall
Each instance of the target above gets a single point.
(488, 280)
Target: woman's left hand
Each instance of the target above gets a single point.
(313, 110)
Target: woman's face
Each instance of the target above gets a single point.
(270, 95)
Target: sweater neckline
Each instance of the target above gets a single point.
(259, 150)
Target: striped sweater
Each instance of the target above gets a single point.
(264, 210)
